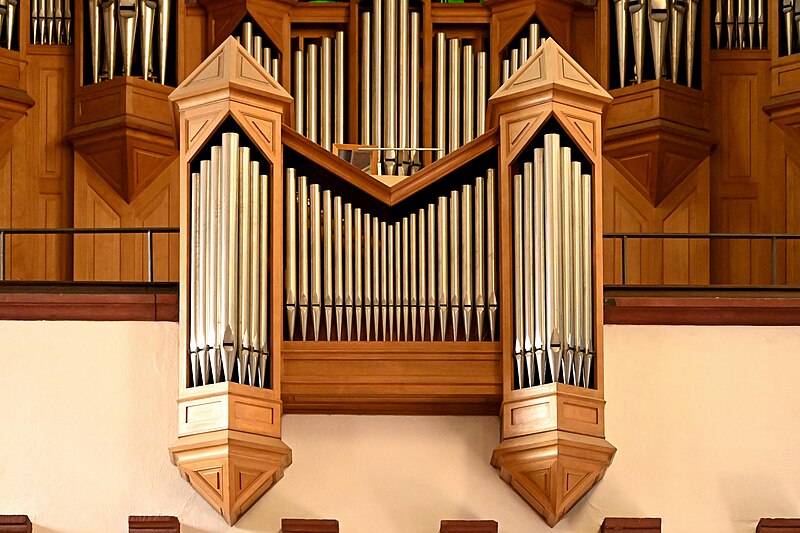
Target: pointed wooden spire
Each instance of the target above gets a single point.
(549, 84)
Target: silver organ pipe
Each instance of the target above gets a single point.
(431, 272)
(522, 48)
(256, 43)
(228, 338)
(143, 25)
(553, 278)
(673, 29)
(319, 88)
(51, 21)
(460, 87)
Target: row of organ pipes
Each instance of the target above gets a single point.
(672, 26)
(518, 53)
(460, 89)
(51, 21)
(390, 108)
(353, 276)
(318, 88)
(553, 295)
(739, 24)
(113, 20)
(260, 48)
(228, 336)
(8, 22)
(790, 13)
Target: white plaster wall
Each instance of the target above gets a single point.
(706, 420)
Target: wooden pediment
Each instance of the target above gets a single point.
(549, 69)
(231, 68)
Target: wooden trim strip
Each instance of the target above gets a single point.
(14, 523)
(468, 526)
(90, 307)
(153, 524)
(778, 525)
(702, 311)
(302, 525)
(631, 525)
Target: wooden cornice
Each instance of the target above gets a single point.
(468, 526)
(301, 525)
(778, 525)
(153, 524)
(389, 196)
(631, 525)
(15, 524)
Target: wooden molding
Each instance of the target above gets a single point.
(14, 104)
(778, 525)
(468, 526)
(15, 524)
(302, 525)
(392, 378)
(153, 524)
(552, 471)
(784, 110)
(631, 525)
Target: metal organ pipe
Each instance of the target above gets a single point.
(228, 336)
(553, 277)
(390, 278)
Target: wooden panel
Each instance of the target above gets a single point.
(792, 261)
(125, 258)
(300, 525)
(15, 524)
(631, 525)
(468, 526)
(153, 524)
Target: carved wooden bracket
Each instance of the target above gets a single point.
(468, 526)
(656, 135)
(301, 525)
(15, 524)
(153, 524)
(14, 100)
(631, 525)
(778, 525)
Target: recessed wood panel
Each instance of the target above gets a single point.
(738, 138)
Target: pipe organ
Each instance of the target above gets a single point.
(308, 282)
(553, 293)
(228, 318)
(118, 29)
(739, 24)
(9, 15)
(673, 41)
(353, 275)
(258, 46)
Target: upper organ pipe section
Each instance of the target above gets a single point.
(258, 46)
(351, 275)
(228, 275)
(739, 24)
(318, 88)
(120, 28)
(51, 21)
(672, 29)
(9, 16)
(391, 55)
(521, 49)
(553, 296)
(460, 87)
(789, 27)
